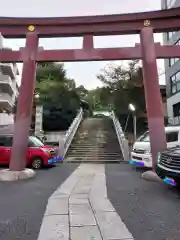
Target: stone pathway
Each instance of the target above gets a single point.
(80, 210)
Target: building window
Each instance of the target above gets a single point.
(172, 61)
(170, 3)
(170, 34)
(176, 109)
(175, 83)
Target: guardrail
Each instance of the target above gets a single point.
(66, 140)
(123, 142)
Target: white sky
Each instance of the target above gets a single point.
(85, 72)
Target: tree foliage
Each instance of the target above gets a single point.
(124, 85)
(58, 95)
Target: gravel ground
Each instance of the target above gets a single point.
(22, 204)
(149, 210)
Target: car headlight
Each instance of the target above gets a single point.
(158, 157)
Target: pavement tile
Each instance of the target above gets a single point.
(57, 206)
(54, 227)
(83, 219)
(85, 233)
(101, 204)
(80, 208)
(82, 190)
(111, 226)
(58, 194)
(78, 200)
(79, 196)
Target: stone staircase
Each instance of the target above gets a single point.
(95, 141)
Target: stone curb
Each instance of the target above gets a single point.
(151, 176)
(7, 175)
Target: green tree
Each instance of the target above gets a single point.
(125, 85)
(58, 96)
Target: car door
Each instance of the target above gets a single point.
(5, 149)
(172, 139)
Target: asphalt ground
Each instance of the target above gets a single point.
(149, 210)
(23, 203)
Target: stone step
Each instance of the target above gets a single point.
(94, 144)
(100, 150)
(79, 151)
(112, 149)
(94, 156)
(95, 141)
(90, 154)
(93, 160)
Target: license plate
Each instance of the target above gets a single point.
(55, 159)
(138, 164)
(132, 162)
(170, 181)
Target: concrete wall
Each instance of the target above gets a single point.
(6, 119)
(54, 137)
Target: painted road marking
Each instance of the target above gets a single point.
(80, 209)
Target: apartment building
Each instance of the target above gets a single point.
(8, 89)
(172, 70)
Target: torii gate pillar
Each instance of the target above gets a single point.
(24, 106)
(153, 97)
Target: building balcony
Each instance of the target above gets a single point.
(8, 69)
(6, 102)
(174, 120)
(6, 84)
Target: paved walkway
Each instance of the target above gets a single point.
(71, 202)
(79, 209)
(23, 203)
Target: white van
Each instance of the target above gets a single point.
(141, 153)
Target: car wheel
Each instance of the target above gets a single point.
(36, 163)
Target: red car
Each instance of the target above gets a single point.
(38, 154)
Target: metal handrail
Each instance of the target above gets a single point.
(65, 141)
(123, 142)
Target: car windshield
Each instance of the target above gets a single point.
(35, 142)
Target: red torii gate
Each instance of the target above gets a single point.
(145, 24)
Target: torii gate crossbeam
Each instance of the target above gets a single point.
(144, 24)
(91, 54)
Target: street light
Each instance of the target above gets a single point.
(132, 107)
(36, 96)
(133, 110)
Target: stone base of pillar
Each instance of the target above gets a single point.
(151, 176)
(7, 175)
